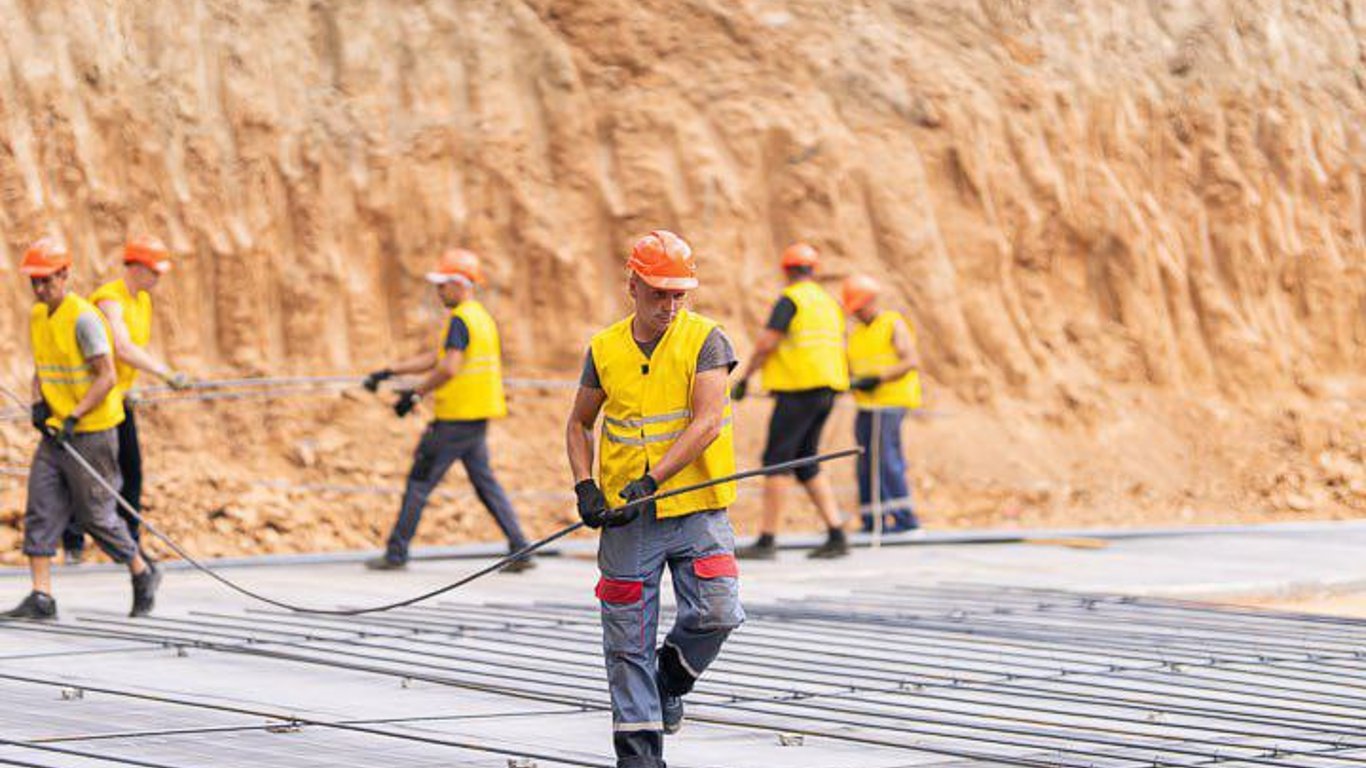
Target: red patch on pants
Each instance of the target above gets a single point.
(618, 592)
(716, 566)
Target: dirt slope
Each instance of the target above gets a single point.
(1132, 235)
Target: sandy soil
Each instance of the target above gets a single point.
(324, 471)
(1351, 604)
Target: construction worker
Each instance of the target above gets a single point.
(464, 373)
(659, 379)
(801, 354)
(76, 405)
(885, 374)
(126, 304)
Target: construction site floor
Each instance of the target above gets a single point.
(1050, 648)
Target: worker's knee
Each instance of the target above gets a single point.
(716, 602)
(421, 471)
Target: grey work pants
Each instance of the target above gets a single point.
(60, 489)
(444, 443)
(699, 552)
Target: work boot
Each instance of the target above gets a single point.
(835, 546)
(145, 590)
(383, 563)
(518, 565)
(904, 521)
(38, 605)
(763, 548)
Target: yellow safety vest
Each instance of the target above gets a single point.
(63, 373)
(137, 316)
(871, 352)
(811, 354)
(476, 391)
(648, 405)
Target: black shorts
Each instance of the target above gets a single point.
(794, 431)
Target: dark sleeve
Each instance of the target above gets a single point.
(781, 317)
(716, 352)
(589, 378)
(457, 335)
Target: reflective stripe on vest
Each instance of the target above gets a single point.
(475, 392)
(137, 318)
(811, 354)
(872, 351)
(685, 413)
(648, 406)
(646, 440)
(63, 374)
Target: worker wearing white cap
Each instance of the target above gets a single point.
(464, 376)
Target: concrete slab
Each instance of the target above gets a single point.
(931, 653)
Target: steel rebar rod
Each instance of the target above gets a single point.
(295, 718)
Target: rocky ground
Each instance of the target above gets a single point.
(324, 471)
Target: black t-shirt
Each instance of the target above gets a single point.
(457, 335)
(780, 319)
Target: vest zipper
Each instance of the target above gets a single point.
(644, 444)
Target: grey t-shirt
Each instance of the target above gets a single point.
(716, 352)
(91, 336)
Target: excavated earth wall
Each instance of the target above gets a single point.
(1132, 235)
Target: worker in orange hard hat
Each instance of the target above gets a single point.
(658, 378)
(463, 372)
(886, 383)
(801, 354)
(126, 304)
(77, 407)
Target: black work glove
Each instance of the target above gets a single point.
(372, 381)
(592, 504)
(40, 412)
(865, 383)
(68, 428)
(640, 488)
(179, 381)
(407, 401)
(738, 391)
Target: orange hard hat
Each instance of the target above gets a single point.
(665, 261)
(800, 255)
(47, 256)
(457, 264)
(857, 291)
(147, 251)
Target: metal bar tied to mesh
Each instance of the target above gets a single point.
(518, 555)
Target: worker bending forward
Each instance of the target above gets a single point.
(77, 406)
(464, 373)
(886, 382)
(126, 304)
(659, 379)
